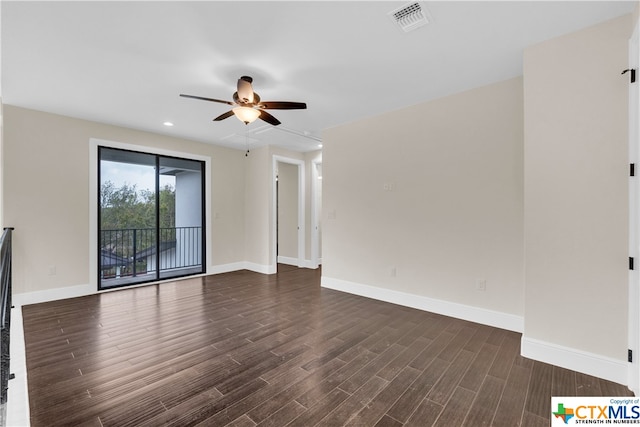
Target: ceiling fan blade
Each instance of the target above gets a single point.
(245, 91)
(283, 105)
(207, 99)
(269, 118)
(224, 116)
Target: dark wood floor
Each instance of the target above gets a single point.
(245, 349)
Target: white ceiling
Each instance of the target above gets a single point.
(125, 63)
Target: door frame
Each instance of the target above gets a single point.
(315, 216)
(634, 215)
(301, 211)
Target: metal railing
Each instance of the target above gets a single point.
(5, 311)
(134, 251)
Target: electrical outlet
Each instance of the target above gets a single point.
(393, 272)
(481, 285)
(52, 270)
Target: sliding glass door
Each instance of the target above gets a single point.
(150, 216)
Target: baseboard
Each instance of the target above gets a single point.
(25, 298)
(287, 260)
(226, 268)
(259, 268)
(576, 360)
(294, 261)
(308, 264)
(497, 319)
(242, 265)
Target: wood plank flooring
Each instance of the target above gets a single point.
(245, 349)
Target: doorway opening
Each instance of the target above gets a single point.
(288, 215)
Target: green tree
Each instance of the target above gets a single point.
(127, 207)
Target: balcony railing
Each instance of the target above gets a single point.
(134, 252)
(5, 314)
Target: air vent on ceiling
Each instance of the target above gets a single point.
(410, 16)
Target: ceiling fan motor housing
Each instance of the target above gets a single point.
(248, 106)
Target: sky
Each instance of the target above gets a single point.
(142, 176)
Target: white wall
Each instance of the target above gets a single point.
(434, 194)
(576, 190)
(188, 199)
(529, 192)
(188, 208)
(46, 195)
(257, 196)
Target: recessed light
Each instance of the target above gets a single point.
(319, 145)
(169, 124)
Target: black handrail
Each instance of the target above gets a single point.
(5, 311)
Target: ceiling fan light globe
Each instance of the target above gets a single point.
(246, 114)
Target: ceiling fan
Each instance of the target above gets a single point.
(249, 107)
